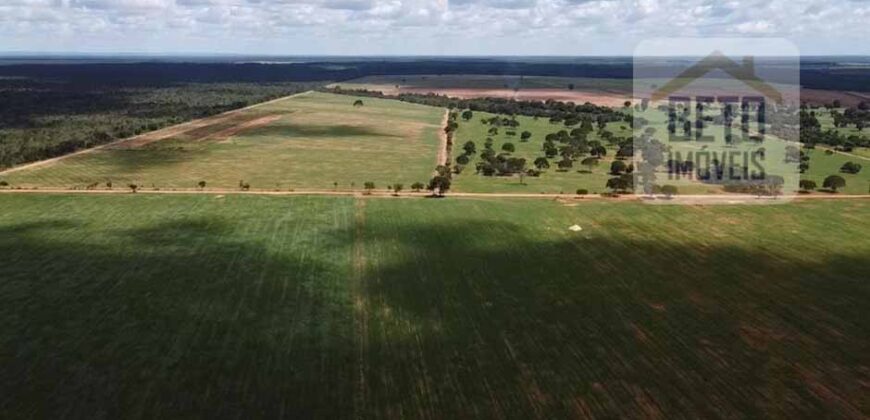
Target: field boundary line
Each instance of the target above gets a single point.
(843, 153)
(360, 305)
(171, 129)
(388, 194)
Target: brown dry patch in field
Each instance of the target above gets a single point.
(836, 401)
(659, 307)
(639, 333)
(248, 125)
(602, 97)
(759, 338)
(822, 97)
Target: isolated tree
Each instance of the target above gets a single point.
(467, 115)
(850, 168)
(335, 184)
(109, 184)
(201, 185)
(133, 188)
(582, 191)
(590, 163)
(834, 182)
(669, 190)
(525, 136)
(246, 186)
(439, 185)
(417, 186)
(508, 147)
(462, 159)
(369, 186)
(542, 163)
(807, 184)
(469, 147)
(397, 188)
(358, 103)
(617, 167)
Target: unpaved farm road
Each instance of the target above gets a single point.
(678, 199)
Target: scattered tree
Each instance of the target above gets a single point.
(369, 186)
(807, 184)
(201, 185)
(358, 103)
(469, 148)
(590, 163)
(462, 159)
(397, 188)
(617, 167)
(850, 168)
(525, 136)
(542, 163)
(467, 115)
(417, 186)
(834, 182)
(508, 147)
(582, 191)
(133, 188)
(439, 185)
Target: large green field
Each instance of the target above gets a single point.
(178, 306)
(309, 141)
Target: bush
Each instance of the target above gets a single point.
(850, 168)
(834, 182)
(582, 191)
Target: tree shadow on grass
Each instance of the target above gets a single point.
(608, 327)
(176, 320)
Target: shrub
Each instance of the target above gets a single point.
(850, 168)
(807, 184)
(834, 182)
(582, 191)
(417, 186)
(4, 184)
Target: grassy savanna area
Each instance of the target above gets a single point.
(822, 165)
(307, 141)
(173, 306)
(552, 180)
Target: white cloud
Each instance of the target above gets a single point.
(420, 26)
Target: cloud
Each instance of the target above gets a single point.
(419, 26)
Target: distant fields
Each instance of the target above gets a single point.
(310, 141)
(172, 306)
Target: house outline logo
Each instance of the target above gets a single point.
(744, 72)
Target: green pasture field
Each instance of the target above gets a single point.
(827, 122)
(148, 306)
(822, 165)
(551, 180)
(318, 139)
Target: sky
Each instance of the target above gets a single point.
(420, 27)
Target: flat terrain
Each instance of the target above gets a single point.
(312, 140)
(608, 92)
(551, 180)
(173, 306)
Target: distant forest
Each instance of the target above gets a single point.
(50, 109)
